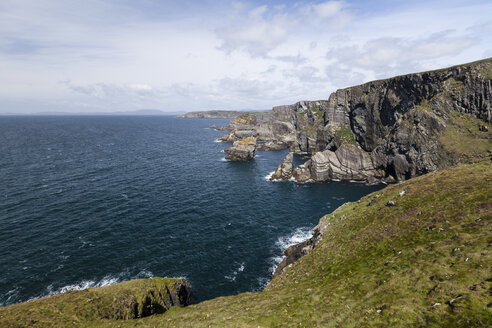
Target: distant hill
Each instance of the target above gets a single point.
(140, 112)
(216, 114)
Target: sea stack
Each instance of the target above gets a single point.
(284, 170)
(241, 150)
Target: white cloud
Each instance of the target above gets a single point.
(257, 34)
(390, 56)
(204, 55)
(328, 9)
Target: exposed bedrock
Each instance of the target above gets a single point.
(241, 150)
(384, 130)
(295, 252)
(284, 170)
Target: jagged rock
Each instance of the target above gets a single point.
(220, 128)
(241, 150)
(385, 130)
(270, 145)
(302, 173)
(295, 252)
(346, 163)
(399, 166)
(284, 170)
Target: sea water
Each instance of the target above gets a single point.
(93, 200)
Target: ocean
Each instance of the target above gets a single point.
(93, 200)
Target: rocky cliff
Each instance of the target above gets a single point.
(127, 300)
(385, 130)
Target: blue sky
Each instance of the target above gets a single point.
(102, 56)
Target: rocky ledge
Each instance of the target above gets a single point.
(382, 131)
(122, 301)
(241, 150)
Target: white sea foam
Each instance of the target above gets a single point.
(224, 160)
(304, 182)
(233, 275)
(217, 140)
(299, 235)
(283, 242)
(268, 176)
(84, 284)
(262, 283)
(11, 294)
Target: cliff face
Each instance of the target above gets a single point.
(388, 130)
(127, 300)
(398, 121)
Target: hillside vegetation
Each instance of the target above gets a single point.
(424, 262)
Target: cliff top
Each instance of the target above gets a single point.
(422, 262)
(485, 65)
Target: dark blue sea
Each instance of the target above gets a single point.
(89, 201)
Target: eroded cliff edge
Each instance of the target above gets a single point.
(385, 130)
(122, 301)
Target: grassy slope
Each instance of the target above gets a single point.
(80, 308)
(425, 262)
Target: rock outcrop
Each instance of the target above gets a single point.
(122, 301)
(284, 170)
(241, 150)
(385, 130)
(296, 251)
(302, 173)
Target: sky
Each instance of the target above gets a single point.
(103, 56)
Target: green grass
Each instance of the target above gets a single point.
(424, 106)
(463, 138)
(346, 135)
(126, 300)
(318, 114)
(378, 266)
(486, 72)
(453, 84)
(424, 262)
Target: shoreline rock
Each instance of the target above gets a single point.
(385, 130)
(284, 170)
(241, 150)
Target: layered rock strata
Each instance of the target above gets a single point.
(284, 170)
(241, 150)
(385, 130)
